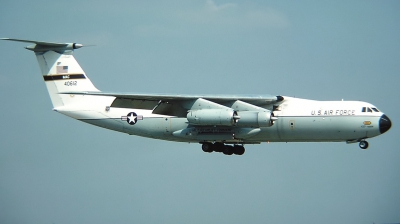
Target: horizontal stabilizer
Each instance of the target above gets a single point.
(37, 42)
(41, 46)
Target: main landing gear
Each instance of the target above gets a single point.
(363, 144)
(221, 147)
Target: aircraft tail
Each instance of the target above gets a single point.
(61, 72)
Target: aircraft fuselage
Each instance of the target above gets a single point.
(298, 120)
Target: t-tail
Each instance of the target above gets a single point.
(61, 72)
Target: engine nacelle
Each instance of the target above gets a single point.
(255, 119)
(224, 117)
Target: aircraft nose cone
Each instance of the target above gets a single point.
(384, 124)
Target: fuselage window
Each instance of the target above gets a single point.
(363, 109)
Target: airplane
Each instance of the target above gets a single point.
(220, 123)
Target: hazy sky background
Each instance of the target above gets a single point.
(54, 169)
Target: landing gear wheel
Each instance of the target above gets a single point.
(218, 147)
(207, 147)
(363, 144)
(228, 150)
(238, 150)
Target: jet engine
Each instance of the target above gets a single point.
(255, 119)
(224, 117)
(229, 117)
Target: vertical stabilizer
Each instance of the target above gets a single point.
(60, 71)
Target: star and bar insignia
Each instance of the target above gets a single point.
(132, 118)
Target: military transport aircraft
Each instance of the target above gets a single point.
(220, 123)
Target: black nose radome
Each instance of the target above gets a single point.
(384, 124)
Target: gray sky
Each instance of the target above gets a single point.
(54, 169)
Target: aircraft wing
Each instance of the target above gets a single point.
(263, 99)
(251, 99)
(178, 105)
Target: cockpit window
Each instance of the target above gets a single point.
(369, 109)
(374, 109)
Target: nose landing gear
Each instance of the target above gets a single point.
(363, 144)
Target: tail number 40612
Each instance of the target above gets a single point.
(70, 83)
